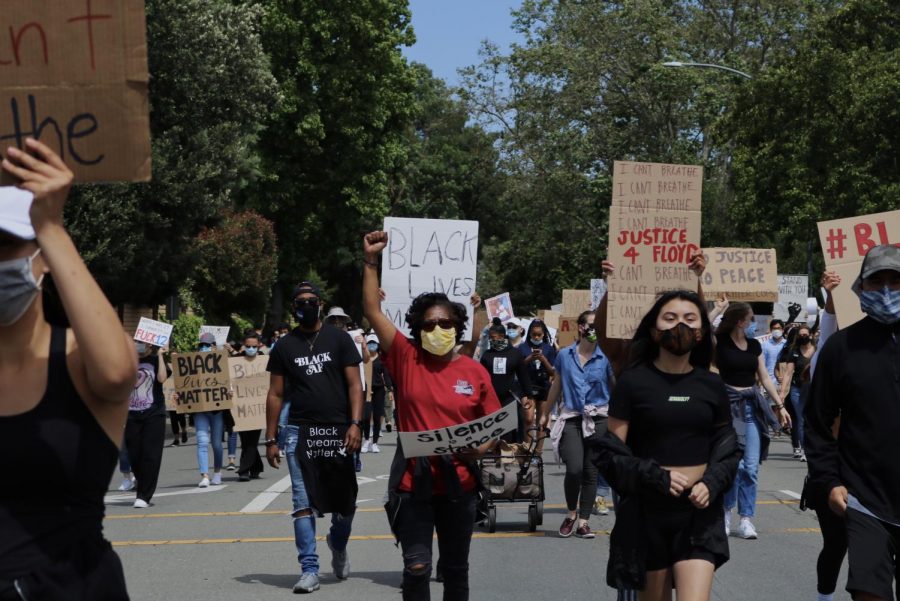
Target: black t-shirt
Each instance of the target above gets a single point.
(147, 395)
(313, 370)
(738, 368)
(800, 361)
(505, 366)
(671, 416)
(381, 379)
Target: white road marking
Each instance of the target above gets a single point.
(189, 491)
(790, 493)
(265, 498)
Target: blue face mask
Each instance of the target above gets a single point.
(372, 347)
(512, 333)
(537, 341)
(881, 305)
(750, 331)
(250, 351)
(205, 348)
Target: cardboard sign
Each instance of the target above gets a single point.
(741, 274)
(446, 441)
(845, 243)
(500, 306)
(219, 332)
(250, 382)
(793, 290)
(169, 394)
(153, 332)
(202, 382)
(567, 333)
(598, 289)
(75, 77)
(654, 230)
(576, 302)
(428, 255)
(550, 318)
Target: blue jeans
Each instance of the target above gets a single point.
(743, 491)
(210, 426)
(797, 401)
(305, 525)
(282, 423)
(232, 444)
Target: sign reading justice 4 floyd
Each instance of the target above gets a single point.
(428, 255)
(654, 230)
(251, 386)
(75, 77)
(202, 382)
(845, 243)
(741, 274)
(449, 440)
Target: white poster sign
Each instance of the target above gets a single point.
(428, 255)
(793, 290)
(220, 333)
(446, 441)
(153, 332)
(598, 289)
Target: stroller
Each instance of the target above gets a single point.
(516, 475)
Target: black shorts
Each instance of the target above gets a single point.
(667, 530)
(872, 547)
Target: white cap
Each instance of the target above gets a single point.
(15, 207)
(336, 312)
(373, 338)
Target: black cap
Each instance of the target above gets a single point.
(306, 287)
(879, 258)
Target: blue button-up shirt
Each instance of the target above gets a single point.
(771, 350)
(587, 384)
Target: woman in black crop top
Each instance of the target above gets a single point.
(63, 396)
(670, 453)
(741, 364)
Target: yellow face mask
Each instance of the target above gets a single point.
(439, 341)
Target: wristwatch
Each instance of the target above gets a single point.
(354, 422)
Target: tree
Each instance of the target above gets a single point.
(818, 137)
(210, 87)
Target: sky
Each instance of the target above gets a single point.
(449, 32)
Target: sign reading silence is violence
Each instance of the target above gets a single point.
(202, 381)
(75, 77)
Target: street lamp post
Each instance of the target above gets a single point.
(707, 66)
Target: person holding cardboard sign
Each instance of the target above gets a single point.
(437, 387)
(63, 396)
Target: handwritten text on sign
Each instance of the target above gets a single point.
(741, 274)
(845, 243)
(793, 290)
(449, 440)
(428, 255)
(153, 332)
(75, 77)
(202, 382)
(250, 381)
(654, 231)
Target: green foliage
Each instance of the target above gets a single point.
(210, 87)
(186, 332)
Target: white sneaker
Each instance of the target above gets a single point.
(375, 448)
(746, 529)
(803, 457)
(727, 523)
(366, 445)
(216, 480)
(126, 485)
(798, 452)
(204, 483)
(140, 504)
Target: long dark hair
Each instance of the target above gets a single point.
(645, 350)
(415, 317)
(733, 315)
(539, 323)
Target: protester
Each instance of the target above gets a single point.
(539, 355)
(63, 395)
(856, 381)
(316, 369)
(436, 387)
(670, 453)
(740, 363)
(179, 427)
(514, 334)
(509, 377)
(382, 386)
(772, 348)
(145, 430)
(128, 479)
(251, 464)
(798, 357)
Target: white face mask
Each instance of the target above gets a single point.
(777, 334)
(18, 288)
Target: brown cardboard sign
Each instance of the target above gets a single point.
(654, 230)
(202, 382)
(576, 302)
(845, 243)
(741, 274)
(550, 318)
(250, 382)
(75, 77)
(567, 333)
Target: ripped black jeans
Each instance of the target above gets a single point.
(417, 521)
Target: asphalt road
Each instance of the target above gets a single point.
(235, 542)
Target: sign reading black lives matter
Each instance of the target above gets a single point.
(449, 440)
(202, 382)
(428, 255)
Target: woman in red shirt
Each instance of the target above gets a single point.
(435, 387)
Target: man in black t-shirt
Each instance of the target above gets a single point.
(509, 377)
(316, 369)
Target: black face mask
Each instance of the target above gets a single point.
(801, 340)
(680, 340)
(307, 312)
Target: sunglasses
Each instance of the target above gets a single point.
(429, 324)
